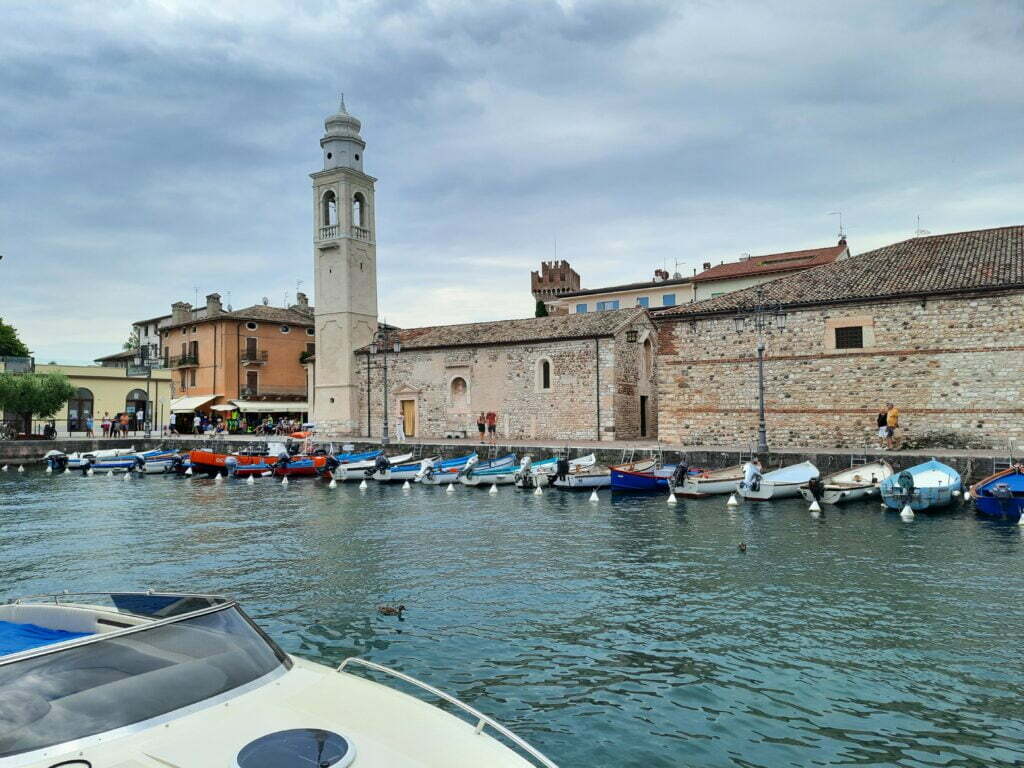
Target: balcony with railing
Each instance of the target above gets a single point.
(273, 393)
(254, 357)
(185, 361)
(360, 233)
(332, 232)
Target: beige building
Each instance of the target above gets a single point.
(661, 291)
(108, 390)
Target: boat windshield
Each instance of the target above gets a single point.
(133, 676)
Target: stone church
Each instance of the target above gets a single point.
(569, 377)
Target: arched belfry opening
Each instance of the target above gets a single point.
(330, 209)
(359, 218)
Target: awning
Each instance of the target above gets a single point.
(189, 404)
(222, 407)
(269, 406)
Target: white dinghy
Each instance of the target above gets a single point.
(711, 482)
(777, 484)
(145, 679)
(849, 485)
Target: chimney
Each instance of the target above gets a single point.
(213, 304)
(302, 301)
(842, 240)
(707, 265)
(181, 312)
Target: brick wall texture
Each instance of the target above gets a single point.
(951, 365)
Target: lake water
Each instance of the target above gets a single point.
(622, 633)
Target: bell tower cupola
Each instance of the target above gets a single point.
(341, 143)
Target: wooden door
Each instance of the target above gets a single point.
(409, 417)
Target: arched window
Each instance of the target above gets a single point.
(543, 374)
(135, 405)
(359, 210)
(648, 358)
(330, 209)
(459, 391)
(79, 410)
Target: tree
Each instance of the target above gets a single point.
(34, 394)
(10, 344)
(542, 309)
(134, 341)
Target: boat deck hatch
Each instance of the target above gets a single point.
(297, 748)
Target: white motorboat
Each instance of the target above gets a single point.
(145, 679)
(777, 484)
(849, 485)
(437, 476)
(81, 459)
(710, 482)
(543, 473)
(361, 470)
(600, 477)
(400, 472)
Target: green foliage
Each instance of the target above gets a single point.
(34, 394)
(133, 341)
(10, 344)
(542, 309)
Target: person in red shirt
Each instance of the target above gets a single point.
(492, 426)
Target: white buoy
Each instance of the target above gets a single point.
(539, 491)
(815, 506)
(494, 489)
(189, 471)
(907, 513)
(450, 488)
(284, 480)
(90, 472)
(250, 480)
(67, 470)
(21, 468)
(49, 469)
(1020, 520)
(110, 473)
(218, 478)
(362, 485)
(4, 468)
(127, 476)
(671, 497)
(594, 496)
(732, 501)
(333, 483)
(406, 486)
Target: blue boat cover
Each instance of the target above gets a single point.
(23, 637)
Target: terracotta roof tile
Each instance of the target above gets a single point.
(527, 330)
(773, 262)
(938, 264)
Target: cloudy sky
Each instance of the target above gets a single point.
(150, 150)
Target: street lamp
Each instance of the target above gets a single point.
(762, 318)
(384, 338)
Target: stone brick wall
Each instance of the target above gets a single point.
(951, 365)
(506, 379)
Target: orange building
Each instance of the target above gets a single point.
(248, 363)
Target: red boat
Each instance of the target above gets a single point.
(245, 466)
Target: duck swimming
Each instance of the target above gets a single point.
(391, 610)
(742, 547)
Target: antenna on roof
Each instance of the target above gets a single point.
(920, 232)
(677, 274)
(229, 301)
(842, 232)
(195, 290)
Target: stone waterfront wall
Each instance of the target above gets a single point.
(951, 365)
(585, 374)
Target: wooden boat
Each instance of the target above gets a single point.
(451, 475)
(1001, 495)
(777, 484)
(925, 486)
(710, 482)
(641, 476)
(848, 485)
(588, 480)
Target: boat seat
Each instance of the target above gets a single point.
(844, 486)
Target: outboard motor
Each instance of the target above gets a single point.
(380, 464)
(905, 481)
(331, 463)
(426, 469)
(816, 487)
(177, 464)
(56, 460)
(561, 468)
(231, 464)
(283, 460)
(679, 474)
(140, 464)
(87, 464)
(468, 469)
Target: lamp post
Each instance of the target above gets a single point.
(762, 318)
(384, 338)
(142, 368)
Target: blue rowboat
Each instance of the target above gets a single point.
(429, 469)
(451, 474)
(925, 486)
(641, 476)
(1001, 495)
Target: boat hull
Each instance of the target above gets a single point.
(1000, 496)
(769, 490)
(584, 481)
(841, 495)
(696, 487)
(933, 486)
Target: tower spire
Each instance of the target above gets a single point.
(341, 108)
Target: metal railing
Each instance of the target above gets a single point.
(184, 361)
(482, 719)
(258, 356)
(48, 429)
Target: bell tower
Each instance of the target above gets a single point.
(345, 269)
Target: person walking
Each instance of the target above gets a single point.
(197, 424)
(88, 426)
(105, 425)
(882, 422)
(400, 427)
(481, 426)
(892, 423)
(124, 424)
(492, 427)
